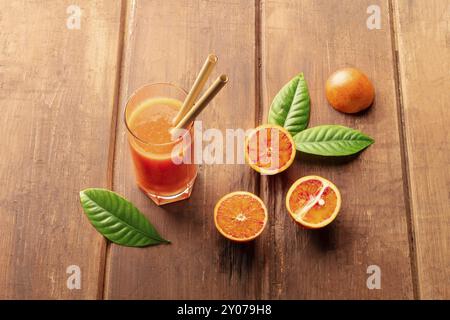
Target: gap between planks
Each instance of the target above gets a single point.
(259, 112)
(404, 153)
(258, 73)
(112, 139)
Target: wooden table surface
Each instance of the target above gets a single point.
(62, 95)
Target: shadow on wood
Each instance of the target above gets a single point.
(327, 161)
(324, 239)
(235, 257)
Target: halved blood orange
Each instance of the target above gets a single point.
(269, 149)
(240, 216)
(313, 202)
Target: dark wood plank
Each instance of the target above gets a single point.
(57, 96)
(423, 33)
(166, 42)
(318, 37)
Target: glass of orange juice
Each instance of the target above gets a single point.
(164, 166)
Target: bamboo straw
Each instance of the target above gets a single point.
(199, 83)
(206, 98)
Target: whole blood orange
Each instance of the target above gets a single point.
(349, 90)
(313, 202)
(269, 149)
(240, 216)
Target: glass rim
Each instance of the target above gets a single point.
(135, 92)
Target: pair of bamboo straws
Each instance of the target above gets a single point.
(190, 110)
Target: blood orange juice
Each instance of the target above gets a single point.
(164, 168)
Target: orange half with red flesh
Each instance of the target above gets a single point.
(269, 149)
(313, 202)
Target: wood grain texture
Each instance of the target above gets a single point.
(56, 93)
(423, 37)
(61, 130)
(318, 37)
(168, 43)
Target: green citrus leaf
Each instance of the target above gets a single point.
(118, 219)
(291, 106)
(331, 140)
